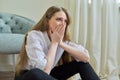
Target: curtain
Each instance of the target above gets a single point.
(95, 25)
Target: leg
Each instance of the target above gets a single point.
(86, 71)
(36, 74)
(65, 71)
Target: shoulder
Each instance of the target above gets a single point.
(35, 34)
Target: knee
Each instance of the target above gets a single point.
(84, 65)
(35, 71)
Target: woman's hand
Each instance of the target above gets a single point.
(57, 35)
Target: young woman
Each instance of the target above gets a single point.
(47, 43)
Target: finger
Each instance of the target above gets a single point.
(60, 28)
(57, 28)
(61, 31)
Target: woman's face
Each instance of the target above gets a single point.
(58, 19)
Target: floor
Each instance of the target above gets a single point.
(7, 75)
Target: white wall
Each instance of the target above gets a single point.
(33, 9)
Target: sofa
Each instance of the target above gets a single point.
(12, 31)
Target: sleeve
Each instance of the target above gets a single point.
(34, 49)
(78, 46)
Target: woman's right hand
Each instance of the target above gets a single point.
(57, 35)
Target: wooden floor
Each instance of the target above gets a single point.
(7, 75)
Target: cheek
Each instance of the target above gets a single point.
(53, 25)
(50, 25)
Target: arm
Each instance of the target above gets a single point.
(50, 57)
(56, 36)
(37, 57)
(76, 52)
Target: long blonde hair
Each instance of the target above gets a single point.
(42, 25)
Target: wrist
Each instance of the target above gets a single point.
(54, 43)
(61, 43)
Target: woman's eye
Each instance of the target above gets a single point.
(59, 19)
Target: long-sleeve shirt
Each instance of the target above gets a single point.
(37, 46)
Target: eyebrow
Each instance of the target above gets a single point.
(61, 18)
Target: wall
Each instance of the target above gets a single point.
(33, 9)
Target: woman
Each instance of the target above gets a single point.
(46, 44)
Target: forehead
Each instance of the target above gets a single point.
(60, 14)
